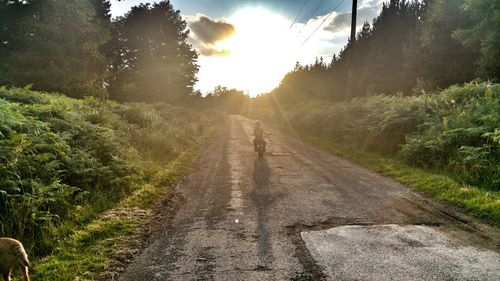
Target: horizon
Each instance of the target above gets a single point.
(233, 46)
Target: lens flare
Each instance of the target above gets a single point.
(262, 51)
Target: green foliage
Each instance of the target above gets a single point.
(379, 61)
(152, 60)
(447, 62)
(482, 203)
(410, 44)
(455, 131)
(377, 123)
(54, 45)
(483, 35)
(232, 101)
(63, 160)
(382, 54)
(87, 251)
(462, 135)
(74, 48)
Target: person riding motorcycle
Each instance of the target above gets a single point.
(259, 135)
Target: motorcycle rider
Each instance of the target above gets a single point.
(259, 135)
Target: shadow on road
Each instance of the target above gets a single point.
(263, 198)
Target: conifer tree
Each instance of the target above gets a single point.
(483, 35)
(152, 60)
(54, 45)
(444, 60)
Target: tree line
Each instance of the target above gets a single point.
(74, 47)
(412, 46)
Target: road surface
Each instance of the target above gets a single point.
(303, 214)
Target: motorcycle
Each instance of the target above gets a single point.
(261, 148)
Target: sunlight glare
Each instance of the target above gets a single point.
(262, 51)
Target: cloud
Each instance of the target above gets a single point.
(339, 23)
(342, 21)
(206, 32)
(327, 34)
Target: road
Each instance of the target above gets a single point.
(304, 214)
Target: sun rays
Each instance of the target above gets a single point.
(260, 53)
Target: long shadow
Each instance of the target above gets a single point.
(263, 198)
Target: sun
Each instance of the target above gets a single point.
(261, 52)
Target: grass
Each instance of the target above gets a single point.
(454, 131)
(78, 176)
(481, 203)
(85, 253)
(445, 143)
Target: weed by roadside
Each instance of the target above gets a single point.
(64, 161)
(445, 143)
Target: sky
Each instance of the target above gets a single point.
(251, 44)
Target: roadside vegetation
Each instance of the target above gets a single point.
(415, 96)
(78, 175)
(64, 161)
(451, 137)
(411, 47)
(99, 249)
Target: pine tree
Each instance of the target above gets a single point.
(53, 45)
(394, 32)
(483, 35)
(444, 60)
(152, 60)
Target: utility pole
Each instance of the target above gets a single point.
(350, 72)
(353, 20)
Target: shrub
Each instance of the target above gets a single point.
(462, 136)
(60, 155)
(455, 130)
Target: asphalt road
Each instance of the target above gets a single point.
(303, 214)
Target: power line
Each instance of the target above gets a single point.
(298, 14)
(326, 18)
(311, 15)
(317, 8)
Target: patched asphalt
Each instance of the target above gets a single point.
(398, 252)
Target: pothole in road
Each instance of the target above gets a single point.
(368, 251)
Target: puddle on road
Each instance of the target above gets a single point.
(394, 252)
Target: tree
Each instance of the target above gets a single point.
(151, 59)
(394, 32)
(102, 9)
(444, 60)
(377, 62)
(232, 101)
(54, 45)
(483, 35)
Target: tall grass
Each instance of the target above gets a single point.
(455, 131)
(461, 135)
(63, 160)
